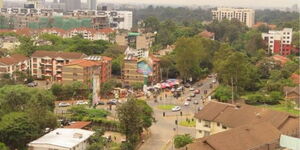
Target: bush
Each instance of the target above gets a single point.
(255, 98)
(137, 85)
(223, 93)
(274, 98)
(83, 113)
(182, 140)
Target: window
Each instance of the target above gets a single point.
(206, 133)
(200, 131)
(34, 59)
(207, 124)
(75, 74)
(224, 127)
(218, 124)
(199, 120)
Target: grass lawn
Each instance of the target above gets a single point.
(281, 107)
(188, 124)
(165, 107)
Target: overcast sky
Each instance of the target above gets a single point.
(234, 3)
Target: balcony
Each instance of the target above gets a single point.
(59, 64)
(48, 69)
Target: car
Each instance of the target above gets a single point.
(32, 84)
(173, 90)
(176, 108)
(197, 92)
(100, 103)
(196, 102)
(200, 84)
(210, 76)
(188, 99)
(210, 86)
(81, 103)
(186, 103)
(192, 89)
(192, 95)
(63, 104)
(187, 85)
(112, 102)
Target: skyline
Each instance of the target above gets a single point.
(215, 3)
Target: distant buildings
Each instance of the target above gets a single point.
(13, 63)
(1, 3)
(72, 4)
(63, 139)
(49, 64)
(246, 16)
(279, 42)
(92, 4)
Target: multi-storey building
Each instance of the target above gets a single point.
(90, 33)
(81, 70)
(218, 117)
(244, 15)
(92, 4)
(48, 64)
(135, 40)
(13, 63)
(279, 42)
(106, 66)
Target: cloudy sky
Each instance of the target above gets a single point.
(235, 3)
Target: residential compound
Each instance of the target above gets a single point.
(62, 139)
(279, 42)
(49, 64)
(98, 19)
(13, 63)
(222, 126)
(246, 16)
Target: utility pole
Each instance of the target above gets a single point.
(232, 94)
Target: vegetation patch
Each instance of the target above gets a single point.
(165, 107)
(188, 123)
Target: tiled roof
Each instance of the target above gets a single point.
(242, 138)
(106, 30)
(83, 63)
(13, 59)
(296, 78)
(291, 89)
(79, 124)
(283, 60)
(53, 54)
(207, 34)
(235, 116)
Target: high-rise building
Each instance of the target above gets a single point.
(1, 3)
(244, 15)
(72, 4)
(92, 4)
(279, 42)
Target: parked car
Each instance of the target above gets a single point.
(192, 89)
(100, 103)
(192, 95)
(81, 103)
(32, 84)
(186, 103)
(112, 102)
(63, 104)
(187, 85)
(188, 99)
(196, 102)
(177, 94)
(200, 84)
(197, 92)
(176, 108)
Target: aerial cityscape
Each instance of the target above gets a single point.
(149, 75)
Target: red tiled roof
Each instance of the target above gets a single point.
(106, 58)
(106, 30)
(283, 60)
(296, 78)
(83, 63)
(79, 124)
(53, 54)
(207, 34)
(13, 59)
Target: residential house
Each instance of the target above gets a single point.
(62, 139)
(13, 63)
(90, 33)
(106, 66)
(9, 42)
(217, 117)
(207, 34)
(292, 93)
(81, 70)
(49, 64)
(260, 136)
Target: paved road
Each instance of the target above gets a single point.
(163, 130)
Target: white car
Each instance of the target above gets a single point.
(176, 108)
(192, 89)
(196, 102)
(81, 103)
(63, 104)
(186, 103)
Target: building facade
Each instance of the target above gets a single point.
(246, 16)
(106, 66)
(49, 64)
(92, 4)
(81, 70)
(11, 64)
(279, 42)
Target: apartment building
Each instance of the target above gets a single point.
(49, 64)
(130, 72)
(81, 70)
(135, 40)
(218, 117)
(90, 33)
(106, 66)
(13, 63)
(279, 42)
(62, 139)
(246, 16)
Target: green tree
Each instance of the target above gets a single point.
(26, 47)
(3, 146)
(223, 93)
(17, 127)
(182, 140)
(151, 24)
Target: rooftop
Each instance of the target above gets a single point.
(54, 54)
(83, 63)
(13, 59)
(63, 137)
(283, 60)
(78, 124)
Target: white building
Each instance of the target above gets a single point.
(244, 15)
(120, 19)
(279, 42)
(139, 53)
(92, 4)
(62, 139)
